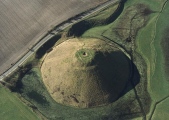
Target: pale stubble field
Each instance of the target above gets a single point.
(24, 22)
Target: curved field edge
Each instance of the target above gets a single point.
(12, 108)
(149, 46)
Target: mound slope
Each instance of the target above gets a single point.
(85, 73)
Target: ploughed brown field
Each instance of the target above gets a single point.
(24, 22)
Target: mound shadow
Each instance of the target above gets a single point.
(117, 13)
(118, 77)
(47, 47)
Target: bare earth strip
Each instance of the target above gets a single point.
(23, 23)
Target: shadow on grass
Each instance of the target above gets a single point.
(117, 13)
(79, 28)
(118, 72)
(47, 47)
(17, 85)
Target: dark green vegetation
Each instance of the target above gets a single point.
(141, 29)
(165, 47)
(103, 17)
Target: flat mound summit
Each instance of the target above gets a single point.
(85, 73)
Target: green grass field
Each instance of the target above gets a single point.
(104, 15)
(161, 111)
(149, 46)
(12, 108)
(159, 77)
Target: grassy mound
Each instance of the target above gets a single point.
(85, 73)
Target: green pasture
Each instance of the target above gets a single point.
(103, 15)
(12, 108)
(148, 42)
(149, 46)
(161, 111)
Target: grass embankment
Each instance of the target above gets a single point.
(106, 16)
(12, 107)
